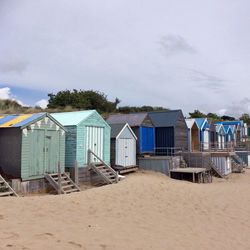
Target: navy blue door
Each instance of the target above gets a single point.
(164, 140)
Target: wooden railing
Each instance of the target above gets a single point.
(105, 164)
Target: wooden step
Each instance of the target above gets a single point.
(68, 186)
(6, 193)
(71, 190)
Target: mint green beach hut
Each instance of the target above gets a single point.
(86, 130)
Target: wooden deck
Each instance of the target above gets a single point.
(200, 175)
(128, 170)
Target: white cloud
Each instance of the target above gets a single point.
(42, 103)
(5, 93)
(237, 108)
(205, 63)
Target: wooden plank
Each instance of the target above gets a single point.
(76, 173)
(59, 178)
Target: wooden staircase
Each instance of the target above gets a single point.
(236, 167)
(108, 174)
(6, 189)
(216, 171)
(67, 185)
(238, 160)
(105, 172)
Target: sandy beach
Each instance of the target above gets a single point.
(146, 210)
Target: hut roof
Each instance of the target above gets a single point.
(228, 128)
(73, 118)
(190, 123)
(201, 122)
(165, 118)
(22, 120)
(116, 129)
(220, 129)
(134, 119)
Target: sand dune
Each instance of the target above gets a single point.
(145, 211)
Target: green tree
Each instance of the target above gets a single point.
(245, 118)
(197, 114)
(81, 99)
(214, 117)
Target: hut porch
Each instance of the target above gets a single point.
(198, 175)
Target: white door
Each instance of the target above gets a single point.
(223, 141)
(219, 141)
(126, 152)
(94, 142)
(206, 139)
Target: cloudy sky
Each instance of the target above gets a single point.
(177, 54)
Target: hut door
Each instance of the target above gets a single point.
(219, 141)
(94, 142)
(36, 152)
(126, 152)
(222, 141)
(51, 151)
(206, 140)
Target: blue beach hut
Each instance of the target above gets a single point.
(220, 136)
(204, 128)
(229, 133)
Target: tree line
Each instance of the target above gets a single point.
(90, 99)
(67, 100)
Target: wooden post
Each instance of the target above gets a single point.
(193, 177)
(59, 178)
(89, 156)
(76, 173)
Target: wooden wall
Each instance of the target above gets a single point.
(147, 122)
(197, 159)
(181, 133)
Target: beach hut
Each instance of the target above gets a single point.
(171, 131)
(142, 127)
(86, 130)
(123, 146)
(229, 133)
(223, 163)
(193, 135)
(204, 132)
(220, 136)
(238, 128)
(31, 145)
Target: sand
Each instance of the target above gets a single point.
(144, 211)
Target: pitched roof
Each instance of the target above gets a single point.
(116, 129)
(24, 120)
(18, 120)
(165, 118)
(134, 119)
(190, 123)
(220, 129)
(72, 118)
(201, 122)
